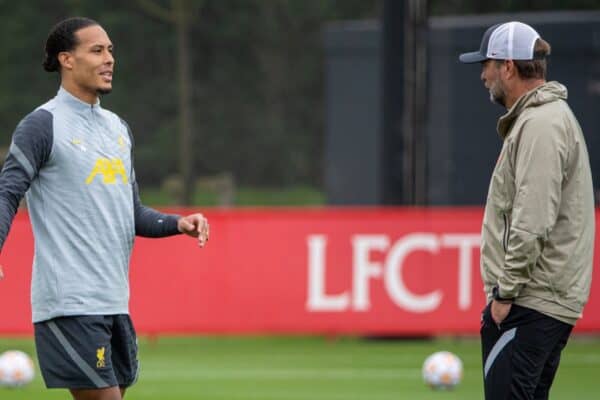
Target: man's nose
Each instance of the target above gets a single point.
(109, 58)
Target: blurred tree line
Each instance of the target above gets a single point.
(256, 80)
(256, 69)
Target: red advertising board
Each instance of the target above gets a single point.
(371, 271)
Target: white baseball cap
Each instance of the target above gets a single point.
(508, 41)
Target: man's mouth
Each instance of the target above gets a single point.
(106, 76)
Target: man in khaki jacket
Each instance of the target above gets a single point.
(538, 227)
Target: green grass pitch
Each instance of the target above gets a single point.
(313, 368)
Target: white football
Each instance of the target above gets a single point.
(442, 370)
(16, 369)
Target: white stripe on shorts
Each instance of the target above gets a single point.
(505, 339)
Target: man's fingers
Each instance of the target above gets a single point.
(1, 273)
(188, 226)
(203, 232)
(201, 225)
(196, 225)
(202, 239)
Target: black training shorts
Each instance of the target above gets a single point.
(87, 352)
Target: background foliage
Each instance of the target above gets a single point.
(257, 69)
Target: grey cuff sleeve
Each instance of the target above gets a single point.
(150, 222)
(29, 151)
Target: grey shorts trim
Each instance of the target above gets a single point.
(85, 368)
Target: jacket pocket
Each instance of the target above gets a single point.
(506, 232)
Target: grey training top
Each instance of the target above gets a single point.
(74, 163)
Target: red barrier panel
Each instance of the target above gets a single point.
(360, 271)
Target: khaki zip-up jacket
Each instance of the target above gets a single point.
(538, 227)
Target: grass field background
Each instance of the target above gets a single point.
(313, 368)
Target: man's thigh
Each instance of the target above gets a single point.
(496, 350)
(111, 393)
(124, 351)
(516, 352)
(79, 352)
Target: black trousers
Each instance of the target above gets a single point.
(521, 356)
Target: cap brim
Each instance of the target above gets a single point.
(470, 58)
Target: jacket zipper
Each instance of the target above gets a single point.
(100, 131)
(506, 232)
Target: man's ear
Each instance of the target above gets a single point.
(511, 68)
(65, 59)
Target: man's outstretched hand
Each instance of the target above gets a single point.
(194, 225)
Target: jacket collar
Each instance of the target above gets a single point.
(545, 93)
(75, 103)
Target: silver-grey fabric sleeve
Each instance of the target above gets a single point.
(30, 149)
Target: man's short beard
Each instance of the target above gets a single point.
(102, 92)
(498, 96)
